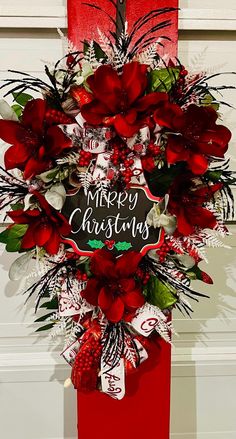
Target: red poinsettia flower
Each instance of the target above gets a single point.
(34, 144)
(113, 287)
(187, 203)
(195, 135)
(45, 226)
(119, 100)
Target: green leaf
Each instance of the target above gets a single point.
(22, 98)
(53, 304)
(163, 79)
(12, 237)
(207, 100)
(161, 179)
(45, 328)
(159, 294)
(17, 231)
(18, 109)
(213, 175)
(4, 236)
(43, 318)
(13, 245)
(17, 206)
(95, 243)
(123, 245)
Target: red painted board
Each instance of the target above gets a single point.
(143, 412)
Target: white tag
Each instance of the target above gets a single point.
(146, 320)
(113, 381)
(69, 298)
(71, 351)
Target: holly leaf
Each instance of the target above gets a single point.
(159, 294)
(123, 245)
(22, 98)
(163, 79)
(94, 243)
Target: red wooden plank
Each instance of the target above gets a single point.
(143, 412)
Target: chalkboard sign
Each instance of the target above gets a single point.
(113, 219)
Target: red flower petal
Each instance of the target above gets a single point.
(134, 80)
(43, 233)
(134, 299)
(150, 100)
(215, 142)
(184, 226)
(64, 228)
(23, 217)
(56, 141)
(166, 115)
(12, 132)
(202, 217)
(125, 129)
(198, 164)
(116, 311)
(105, 299)
(175, 150)
(34, 167)
(106, 86)
(91, 292)
(94, 112)
(127, 284)
(16, 156)
(127, 264)
(28, 239)
(103, 264)
(33, 115)
(53, 244)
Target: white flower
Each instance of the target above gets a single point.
(84, 74)
(56, 196)
(20, 266)
(6, 111)
(158, 217)
(186, 260)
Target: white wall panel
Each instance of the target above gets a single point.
(204, 357)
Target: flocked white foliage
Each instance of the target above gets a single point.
(90, 56)
(70, 159)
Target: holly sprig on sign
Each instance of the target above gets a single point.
(120, 246)
(96, 243)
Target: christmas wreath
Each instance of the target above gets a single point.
(114, 181)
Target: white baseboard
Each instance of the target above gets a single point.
(208, 435)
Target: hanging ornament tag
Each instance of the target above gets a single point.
(71, 351)
(147, 319)
(113, 380)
